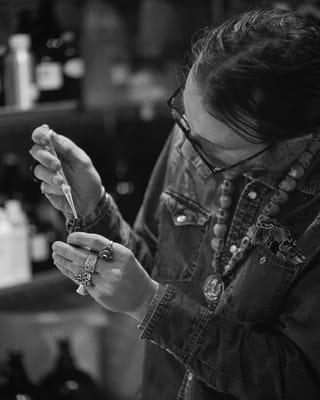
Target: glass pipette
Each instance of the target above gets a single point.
(65, 186)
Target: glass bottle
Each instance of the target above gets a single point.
(47, 44)
(16, 384)
(67, 381)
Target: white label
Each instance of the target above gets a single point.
(74, 68)
(49, 76)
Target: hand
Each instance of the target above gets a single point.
(78, 168)
(120, 285)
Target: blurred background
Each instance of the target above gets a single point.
(99, 72)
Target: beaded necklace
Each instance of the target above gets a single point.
(213, 286)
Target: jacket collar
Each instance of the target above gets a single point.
(309, 185)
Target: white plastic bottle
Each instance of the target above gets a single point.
(5, 249)
(20, 270)
(18, 73)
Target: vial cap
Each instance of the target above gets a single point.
(19, 41)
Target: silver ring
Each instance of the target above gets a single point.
(90, 263)
(42, 188)
(82, 290)
(106, 253)
(84, 278)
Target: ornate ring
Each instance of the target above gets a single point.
(33, 177)
(82, 290)
(42, 188)
(106, 253)
(90, 263)
(84, 278)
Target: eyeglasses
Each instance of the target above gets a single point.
(184, 125)
(180, 119)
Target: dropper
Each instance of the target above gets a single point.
(65, 186)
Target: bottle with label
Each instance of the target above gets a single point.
(3, 50)
(48, 48)
(67, 381)
(73, 66)
(18, 73)
(16, 384)
(18, 243)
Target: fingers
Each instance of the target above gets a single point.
(93, 241)
(48, 176)
(41, 135)
(70, 270)
(45, 157)
(76, 256)
(51, 190)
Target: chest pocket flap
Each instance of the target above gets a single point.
(181, 230)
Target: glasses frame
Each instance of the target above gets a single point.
(184, 125)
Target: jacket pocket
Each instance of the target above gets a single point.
(259, 290)
(182, 225)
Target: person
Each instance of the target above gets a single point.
(221, 268)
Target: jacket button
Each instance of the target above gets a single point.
(252, 195)
(190, 376)
(181, 218)
(262, 260)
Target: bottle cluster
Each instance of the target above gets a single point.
(28, 225)
(41, 62)
(66, 381)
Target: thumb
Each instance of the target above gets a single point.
(64, 146)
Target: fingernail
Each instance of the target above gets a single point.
(58, 180)
(55, 165)
(45, 126)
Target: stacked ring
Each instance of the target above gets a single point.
(106, 253)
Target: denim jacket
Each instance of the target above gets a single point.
(262, 342)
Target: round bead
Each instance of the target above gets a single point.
(296, 171)
(233, 248)
(225, 201)
(288, 184)
(280, 197)
(251, 231)
(252, 195)
(271, 209)
(238, 255)
(305, 159)
(314, 147)
(214, 264)
(217, 244)
(226, 186)
(245, 242)
(227, 269)
(222, 215)
(220, 230)
(181, 218)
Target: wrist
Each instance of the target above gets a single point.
(142, 310)
(93, 204)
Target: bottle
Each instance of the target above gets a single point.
(66, 381)
(20, 270)
(16, 384)
(73, 67)
(48, 49)
(3, 50)
(6, 235)
(104, 48)
(44, 230)
(18, 73)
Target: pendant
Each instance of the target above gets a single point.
(213, 288)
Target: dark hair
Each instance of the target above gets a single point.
(259, 73)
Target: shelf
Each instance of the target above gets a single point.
(40, 108)
(48, 291)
